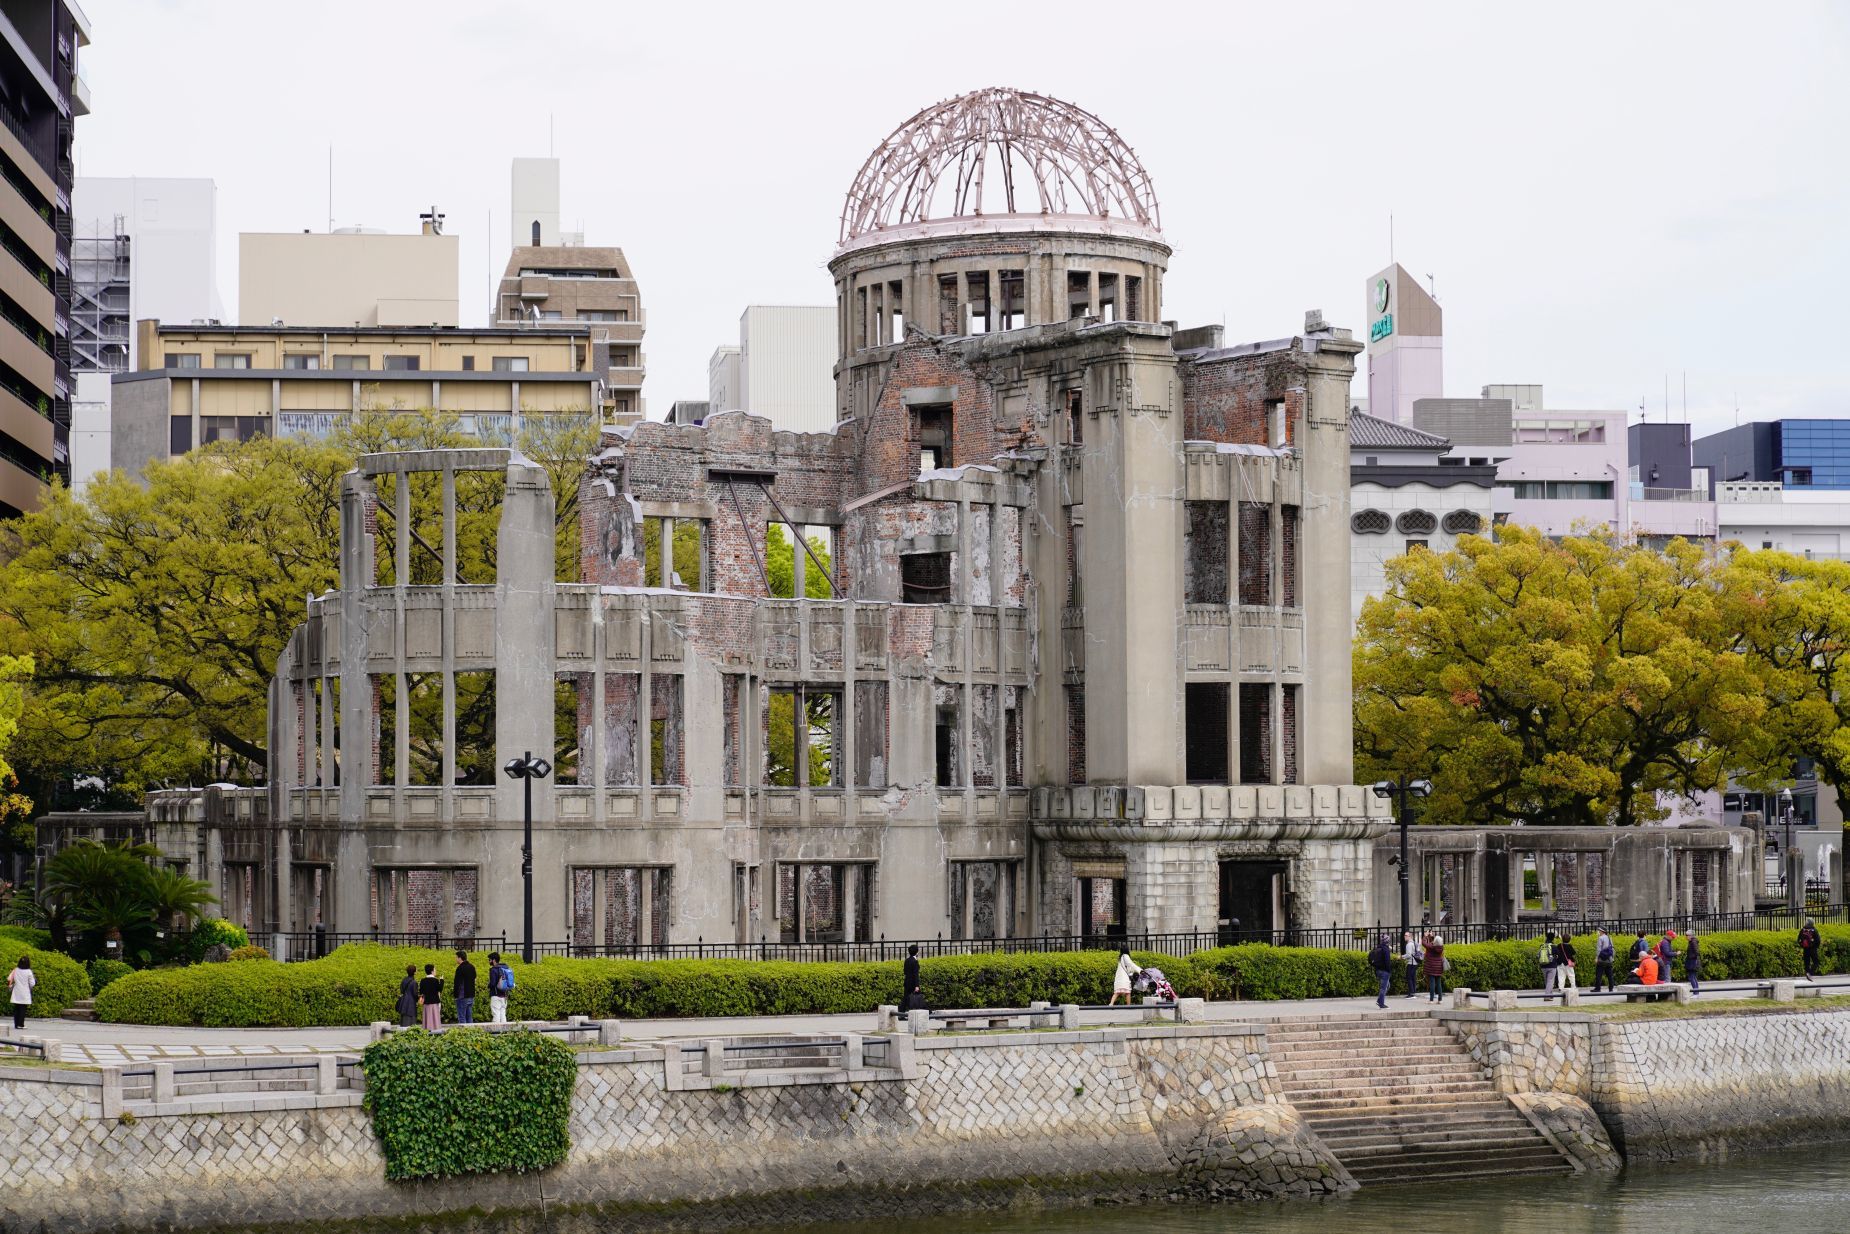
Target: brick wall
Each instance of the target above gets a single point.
(1230, 398)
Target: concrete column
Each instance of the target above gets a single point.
(850, 895)
(645, 928)
(1545, 877)
(1580, 880)
(1326, 706)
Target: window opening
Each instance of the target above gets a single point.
(1205, 715)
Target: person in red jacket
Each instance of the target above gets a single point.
(1646, 972)
(1435, 969)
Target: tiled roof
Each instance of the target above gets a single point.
(1378, 434)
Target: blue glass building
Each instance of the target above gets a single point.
(1797, 453)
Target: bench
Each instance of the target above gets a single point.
(995, 1017)
(1789, 989)
(1677, 991)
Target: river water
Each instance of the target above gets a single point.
(1799, 1191)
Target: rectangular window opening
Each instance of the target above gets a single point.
(1255, 553)
(1107, 297)
(1076, 734)
(572, 695)
(424, 720)
(870, 734)
(1288, 555)
(622, 693)
(1204, 552)
(665, 731)
(1012, 288)
(980, 318)
(931, 427)
(1255, 733)
(1078, 293)
(1205, 715)
(946, 733)
(475, 728)
(1288, 718)
(947, 305)
(925, 578)
(1075, 418)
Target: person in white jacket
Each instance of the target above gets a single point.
(21, 982)
(1121, 979)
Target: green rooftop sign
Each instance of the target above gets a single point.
(1383, 327)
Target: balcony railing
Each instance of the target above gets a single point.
(1641, 493)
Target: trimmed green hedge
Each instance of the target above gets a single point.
(213, 930)
(469, 1102)
(102, 972)
(358, 983)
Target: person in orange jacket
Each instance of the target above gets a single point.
(1646, 972)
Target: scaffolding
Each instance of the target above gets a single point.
(100, 302)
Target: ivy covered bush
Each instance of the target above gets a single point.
(468, 1102)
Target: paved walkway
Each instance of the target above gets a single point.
(117, 1044)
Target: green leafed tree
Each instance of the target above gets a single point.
(1553, 683)
(780, 564)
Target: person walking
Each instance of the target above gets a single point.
(1434, 964)
(1602, 960)
(20, 984)
(1565, 955)
(1666, 957)
(463, 984)
(1411, 953)
(430, 993)
(1381, 959)
(408, 997)
(1121, 978)
(912, 993)
(1809, 943)
(1692, 962)
(1550, 959)
(500, 984)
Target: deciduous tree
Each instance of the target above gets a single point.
(1572, 683)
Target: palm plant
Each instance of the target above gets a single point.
(171, 896)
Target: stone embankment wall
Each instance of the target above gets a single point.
(946, 1122)
(1691, 1088)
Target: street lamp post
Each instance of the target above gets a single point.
(1403, 788)
(527, 769)
(1792, 869)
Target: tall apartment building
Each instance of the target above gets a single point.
(41, 95)
(352, 277)
(199, 384)
(145, 247)
(783, 368)
(553, 278)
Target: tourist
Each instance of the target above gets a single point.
(1602, 960)
(464, 986)
(1692, 961)
(430, 993)
(1410, 953)
(1121, 979)
(21, 982)
(1434, 963)
(1565, 977)
(1550, 959)
(912, 992)
(1809, 942)
(408, 997)
(1381, 959)
(1639, 947)
(1646, 972)
(500, 982)
(1666, 957)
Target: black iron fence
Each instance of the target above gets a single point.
(312, 944)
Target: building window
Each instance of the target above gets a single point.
(1255, 733)
(1204, 552)
(468, 364)
(231, 428)
(1255, 553)
(402, 364)
(824, 903)
(946, 731)
(510, 364)
(803, 737)
(1413, 545)
(1204, 717)
(1370, 522)
(1076, 734)
(1558, 490)
(1288, 556)
(180, 436)
(925, 578)
(596, 315)
(184, 359)
(1462, 523)
(619, 908)
(231, 359)
(301, 360)
(982, 898)
(666, 734)
(356, 363)
(931, 426)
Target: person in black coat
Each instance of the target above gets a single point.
(408, 997)
(1692, 961)
(912, 993)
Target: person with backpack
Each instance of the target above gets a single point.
(1549, 957)
(1602, 960)
(1565, 976)
(1809, 943)
(20, 984)
(408, 997)
(1639, 947)
(1410, 953)
(1381, 959)
(500, 985)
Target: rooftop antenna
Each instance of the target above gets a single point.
(1432, 287)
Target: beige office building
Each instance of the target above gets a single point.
(199, 384)
(351, 277)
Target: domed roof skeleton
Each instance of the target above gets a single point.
(1063, 149)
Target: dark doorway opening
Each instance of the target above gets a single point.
(1204, 719)
(1101, 908)
(1252, 900)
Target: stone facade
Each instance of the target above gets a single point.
(1137, 1112)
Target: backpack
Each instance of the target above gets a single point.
(1378, 958)
(1546, 955)
(500, 981)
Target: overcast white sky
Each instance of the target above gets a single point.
(1606, 194)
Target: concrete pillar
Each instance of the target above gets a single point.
(327, 1074)
(163, 1082)
(1326, 706)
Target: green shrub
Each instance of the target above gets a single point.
(61, 980)
(15, 937)
(468, 1102)
(102, 972)
(1261, 971)
(214, 930)
(250, 951)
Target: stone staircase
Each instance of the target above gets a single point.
(1397, 1098)
(82, 1009)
